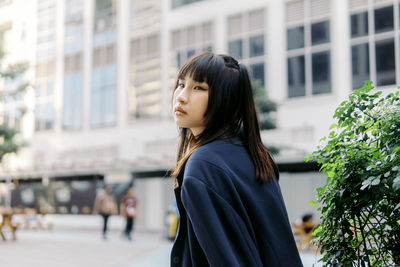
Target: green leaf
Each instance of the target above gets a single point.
(376, 181)
(396, 183)
(398, 206)
(387, 174)
(333, 126)
(313, 203)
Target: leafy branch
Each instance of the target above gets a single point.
(360, 203)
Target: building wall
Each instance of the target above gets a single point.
(102, 74)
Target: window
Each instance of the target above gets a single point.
(373, 49)
(73, 63)
(308, 48)
(105, 15)
(103, 89)
(44, 116)
(144, 95)
(295, 38)
(296, 76)
(12, 97)
(73, 12)
(45, 68)
(72, 101)
(12, 116)
(73, 38)
(179, 3)
(246, 42)
(191, 40)
(104, 55)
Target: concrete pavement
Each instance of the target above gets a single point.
(75, 248)
(81, 245)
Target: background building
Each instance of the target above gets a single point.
(102, 71)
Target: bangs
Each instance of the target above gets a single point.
(198, 68)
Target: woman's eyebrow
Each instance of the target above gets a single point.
(203, 84)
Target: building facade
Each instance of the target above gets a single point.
(102, 73)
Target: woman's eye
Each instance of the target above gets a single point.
(181, 85)
(199, 88)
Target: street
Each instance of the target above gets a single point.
(74, 247)
(38, 248)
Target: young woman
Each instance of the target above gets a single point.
(231, 209)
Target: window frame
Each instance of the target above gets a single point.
(308, 50)
(372, 38)
(245, 35)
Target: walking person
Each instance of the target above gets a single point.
(105, 205)
(129, 211)
(232, 212)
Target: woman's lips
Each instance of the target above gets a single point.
(179, 111)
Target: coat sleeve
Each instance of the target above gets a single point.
(219, 230)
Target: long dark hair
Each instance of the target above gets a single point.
(230, 112)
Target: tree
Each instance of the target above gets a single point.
(8, 144)
(360, 203)
(265, 106)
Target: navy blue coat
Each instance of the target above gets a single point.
(227, 218)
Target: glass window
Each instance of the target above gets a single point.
(72, 109)
(135, 49)
(359, 24)
(256, 20)
(320, 33)
(152, 45)
(207, 48)
(110, 54)
(38, 117)
(360, 64)
(6, 116)
(190, 53)
(321, 80)
(178, 3)
(178, 60)
(385, 62)
(50, 87)
(109, 105)
(207, 32)
(257, 72)
(256, 46)
(235, 25)
(103, 96)
(37, 89)
(191, 36)
(97, 57)
(109, 77)
(48, 116)
(95, 108)
(295, 38)
(296, 76)
(235, 49)
(176, 39)
(18, 115)
(384, 19)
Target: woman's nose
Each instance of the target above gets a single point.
(182, 95)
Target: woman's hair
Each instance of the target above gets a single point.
(230, 112)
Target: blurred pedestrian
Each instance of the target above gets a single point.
(303, 228)
(129, 211)
(105, 205)
(231, 208)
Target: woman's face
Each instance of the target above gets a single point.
(190, 103)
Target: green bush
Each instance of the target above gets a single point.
(360, 203)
